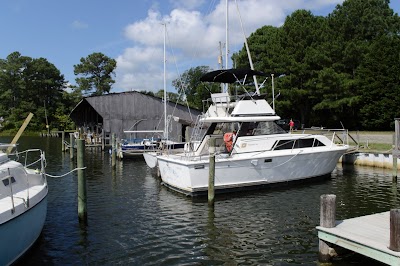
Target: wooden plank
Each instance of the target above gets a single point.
(367, 235)
(390, 259)
(20, 131)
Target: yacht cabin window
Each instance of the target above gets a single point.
(297, 144)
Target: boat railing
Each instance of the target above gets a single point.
(220, 100)
(28, 161)
(201, 151)
(338, 136)
(197, 131)
(5, 146)
(302, 141)
(9, 179)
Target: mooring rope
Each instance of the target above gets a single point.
(58, 176)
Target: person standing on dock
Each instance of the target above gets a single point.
(291, 125)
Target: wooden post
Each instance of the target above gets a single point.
(82, 210)
(394, 230)
(71, 144)
(113, 152)
(211, 174)
(102, 140)
(328, 220)
(396, 145)
(62, 141)
(119, 149)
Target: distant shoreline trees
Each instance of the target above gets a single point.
(36, 85)
(341, 68)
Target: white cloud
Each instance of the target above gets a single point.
(194, 36)
(77, 24)
(140, 68)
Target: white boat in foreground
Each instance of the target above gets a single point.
(23, 203)
(260, 153)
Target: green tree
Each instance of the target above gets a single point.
(195, 91)
(302, 37)
(95, 74)
(171, 96)
(358, 28)
(28, 85)
(11, 81)
(380, 82)
(44, 87)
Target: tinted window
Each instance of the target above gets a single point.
(284, 145)
(299, 143)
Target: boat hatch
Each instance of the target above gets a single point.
(267, 160)
(6, 180)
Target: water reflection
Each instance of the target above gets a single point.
(133, 219)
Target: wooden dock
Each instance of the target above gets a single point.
(367, 235)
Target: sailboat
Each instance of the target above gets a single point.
(251, 149)
(23, 203)
(138, 146)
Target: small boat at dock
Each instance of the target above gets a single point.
(23, 202)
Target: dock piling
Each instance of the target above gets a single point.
(63, 141)
(71, 145)
(394, 230)
(396, 146)
(328, 220)
(82, 209)
(211, 175)
(113, 151)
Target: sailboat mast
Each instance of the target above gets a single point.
(165, 86)
(221, 64)
(226, 39)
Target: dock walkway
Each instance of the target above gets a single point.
(367, 235)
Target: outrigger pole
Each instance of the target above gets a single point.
(248, 50)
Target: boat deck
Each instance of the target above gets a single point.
(367, 235)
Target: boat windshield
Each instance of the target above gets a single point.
(246, 128)
(267, 128)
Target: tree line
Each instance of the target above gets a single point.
(342, 69)
(36, 85)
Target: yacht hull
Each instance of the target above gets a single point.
(235, 172)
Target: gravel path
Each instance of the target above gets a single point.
(373, 137)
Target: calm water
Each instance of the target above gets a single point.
(133, 219)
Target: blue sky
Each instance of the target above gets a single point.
(131, 32)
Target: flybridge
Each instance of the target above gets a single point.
(243, 110)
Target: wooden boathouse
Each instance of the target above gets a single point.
(101, 116)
